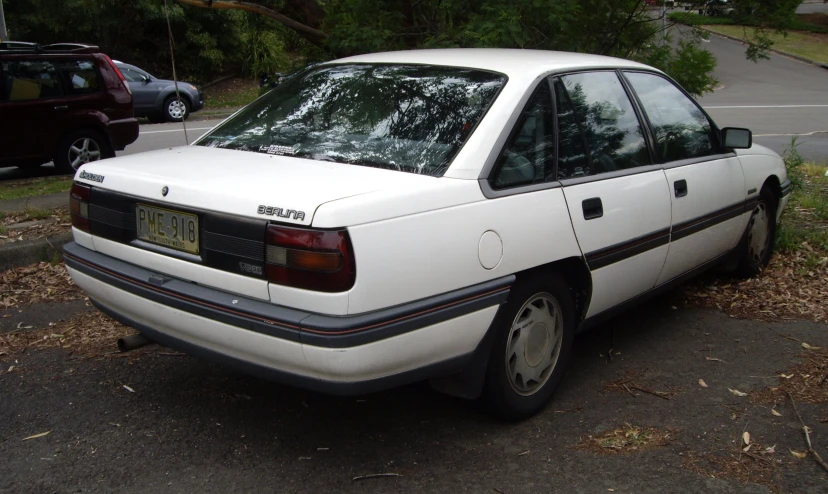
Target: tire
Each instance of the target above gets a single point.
(757, 242)
(79, 147)
(546, 300)
(173, 112)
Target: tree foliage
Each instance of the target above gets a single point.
(268, 35)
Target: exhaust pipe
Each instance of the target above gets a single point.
(133, 342)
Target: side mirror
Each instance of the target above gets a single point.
(145, 79)
(736, 138)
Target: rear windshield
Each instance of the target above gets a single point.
(401, 117)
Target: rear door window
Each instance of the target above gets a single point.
(80, 76)
(608, 119)
(30, 79)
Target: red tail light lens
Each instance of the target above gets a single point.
(118, 71)
(79, 206)
(319, 260)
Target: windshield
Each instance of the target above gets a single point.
(401, 117)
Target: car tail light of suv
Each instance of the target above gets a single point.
(319, 260)
(79, 206)
(118, 71)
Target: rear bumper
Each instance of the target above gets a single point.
(337, 355)
(122, 132)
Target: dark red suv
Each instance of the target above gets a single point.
(66, 103)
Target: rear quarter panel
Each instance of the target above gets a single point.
(407, 257)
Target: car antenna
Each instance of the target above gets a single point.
(175, 79)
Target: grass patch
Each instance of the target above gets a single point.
(805, 221)
(693, 19)
(15, 189)
(811, 46)
(232, 93)
(37, 213)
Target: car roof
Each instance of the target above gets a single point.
(512, 62)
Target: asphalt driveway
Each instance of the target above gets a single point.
(188, 426)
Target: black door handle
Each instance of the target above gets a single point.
(593, 208)
(680, 186)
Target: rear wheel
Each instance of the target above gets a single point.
(80, 147)
(757, 241)
(535, 332)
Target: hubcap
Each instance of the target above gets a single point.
(177, 109)
(534, 344)
(83, 151)
(758, 233)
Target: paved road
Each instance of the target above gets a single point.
(774, 98)
(810, 8)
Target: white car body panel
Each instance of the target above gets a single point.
(759, 163)
(397, 259)
(711, 186)
(634, 206)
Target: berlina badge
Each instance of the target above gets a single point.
(165, 191)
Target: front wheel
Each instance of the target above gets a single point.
(535, 332)
(175, 110)
(758, 239)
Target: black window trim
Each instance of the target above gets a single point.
(486, 171)
(587, 151)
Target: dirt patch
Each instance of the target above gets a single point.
(231, 93)
(627, 439)
(787, 289)
(38, 283)
(34, 223)
(90, 334)
(757, 465)
(806, 381)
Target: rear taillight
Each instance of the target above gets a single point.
(118, 71)
(79, 207)
(319, 260)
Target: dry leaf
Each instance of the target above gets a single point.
(128, 389)
(737, 392)
(800, 455)
(746, 438)
(37, 435)
(702, 383)
(786, 376)
(773, 411)
(809, 347)
(747, 448)
(770, 450)
(713, 359)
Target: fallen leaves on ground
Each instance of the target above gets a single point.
(626, 439)
(631, 383)
(786, 289)
(806, 381)
(37, 224)
(90, 334)
(755, 465)
(44, 282)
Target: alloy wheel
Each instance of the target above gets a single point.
(177, 110)
(82, 151)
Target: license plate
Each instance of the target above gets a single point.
(166, 227)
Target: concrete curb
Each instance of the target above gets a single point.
(33, 251)
(795, 57)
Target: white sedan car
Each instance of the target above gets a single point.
(451, 215)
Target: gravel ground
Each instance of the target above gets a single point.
(157, 421)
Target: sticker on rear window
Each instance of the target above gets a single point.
(274, 149)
